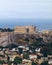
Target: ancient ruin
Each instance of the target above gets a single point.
(25, 29)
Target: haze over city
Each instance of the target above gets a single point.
(26, 12)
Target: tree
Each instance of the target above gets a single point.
(17, 60)
(7, 30)
(1, 62)
(20, 50)
(11, 46)
(26, 55)
(27, 39)
(10, 62)
(45, 51)
(33, 63)
(44, 63)
(1, 47)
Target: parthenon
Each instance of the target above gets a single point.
(25, 29)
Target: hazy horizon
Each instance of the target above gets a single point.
(40, 23)
(26, 12)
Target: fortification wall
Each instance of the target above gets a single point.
(25, 29)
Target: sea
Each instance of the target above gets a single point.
(41, 24)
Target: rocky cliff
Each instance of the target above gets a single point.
(23, 39)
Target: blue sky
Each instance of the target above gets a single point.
(41, 9)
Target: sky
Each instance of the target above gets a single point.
(35, 9)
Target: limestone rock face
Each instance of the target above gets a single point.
(6, 38)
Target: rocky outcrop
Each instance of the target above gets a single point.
(23, 39)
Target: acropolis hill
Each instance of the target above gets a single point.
(23, 35)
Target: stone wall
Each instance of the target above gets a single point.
(25, 29)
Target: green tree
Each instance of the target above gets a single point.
(1, 47)
(33, 63)
(10, 62)
(26, 56)
(17, 60)
(45, 63)
(1, 61)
